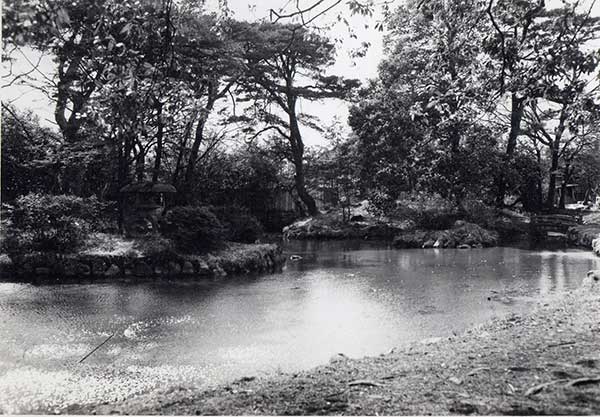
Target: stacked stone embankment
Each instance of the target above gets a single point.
(46, 268)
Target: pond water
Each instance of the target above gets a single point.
(354, 298)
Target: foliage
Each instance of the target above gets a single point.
(43, 222)
(429, 210)
(239, 225)
(192, 229)
(286, 63)
(156, 247)
(29, 155)
(333, 172)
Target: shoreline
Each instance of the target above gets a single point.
(546, 362)
(51, 268)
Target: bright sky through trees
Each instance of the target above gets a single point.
(23, 96)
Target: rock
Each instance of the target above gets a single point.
(592, 281)
(584, 235)
(596, 246)
(455, 380)
(459, 223)
(83, 269)
(357, 218)
(142, 269)
(203, 268)
(437, 243)
(413, 239)
(98, 267)
(188, 268)
(174, 268)
(428, 244)
(463, 246)
(112, 271)
(69, 267)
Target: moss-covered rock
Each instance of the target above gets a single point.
(462, 234)
(326, 227)
(584, 235)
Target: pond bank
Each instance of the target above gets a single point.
(404, 234)
(49, 268)
(543, 363)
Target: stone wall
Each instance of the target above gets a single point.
(47, 268)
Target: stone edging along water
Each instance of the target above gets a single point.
(54, 268)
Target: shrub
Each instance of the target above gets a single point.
(50, 223)
(477, 212)
(193, 229)
(156, 247)
(239, 225)
(429, 210)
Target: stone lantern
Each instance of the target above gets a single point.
(143, 206)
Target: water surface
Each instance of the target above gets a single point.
(354, 298)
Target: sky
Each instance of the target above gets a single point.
(327, 110)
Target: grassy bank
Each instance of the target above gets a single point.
(545, 363)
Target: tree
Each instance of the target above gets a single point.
(526, 42)
(420, 118)
(565, 120)
(334, 171)
(285, 64)
(29, 155)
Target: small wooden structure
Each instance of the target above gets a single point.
(143, 205)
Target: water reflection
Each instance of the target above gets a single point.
(356, 298)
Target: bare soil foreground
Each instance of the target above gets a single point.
(545, 363)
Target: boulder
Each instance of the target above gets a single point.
(174, 268)
(142, 269)
(203, 268)
(592, 281)
(83, 269)
(429, 244)
(112, 271)
(98, 267)
(188, 268)
(596, 246)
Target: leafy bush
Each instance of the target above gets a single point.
(477, 212)
(193, 229)
(156, 247)
(44, 222)
(428, 210)
(240, 226)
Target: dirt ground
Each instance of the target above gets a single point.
(545, 363)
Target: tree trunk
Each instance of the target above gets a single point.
(552, 183)
(516, 115)
(297, 147)
(555, 157)
(159, 144)
(194, 152)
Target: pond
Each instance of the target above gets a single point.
(354, 298)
